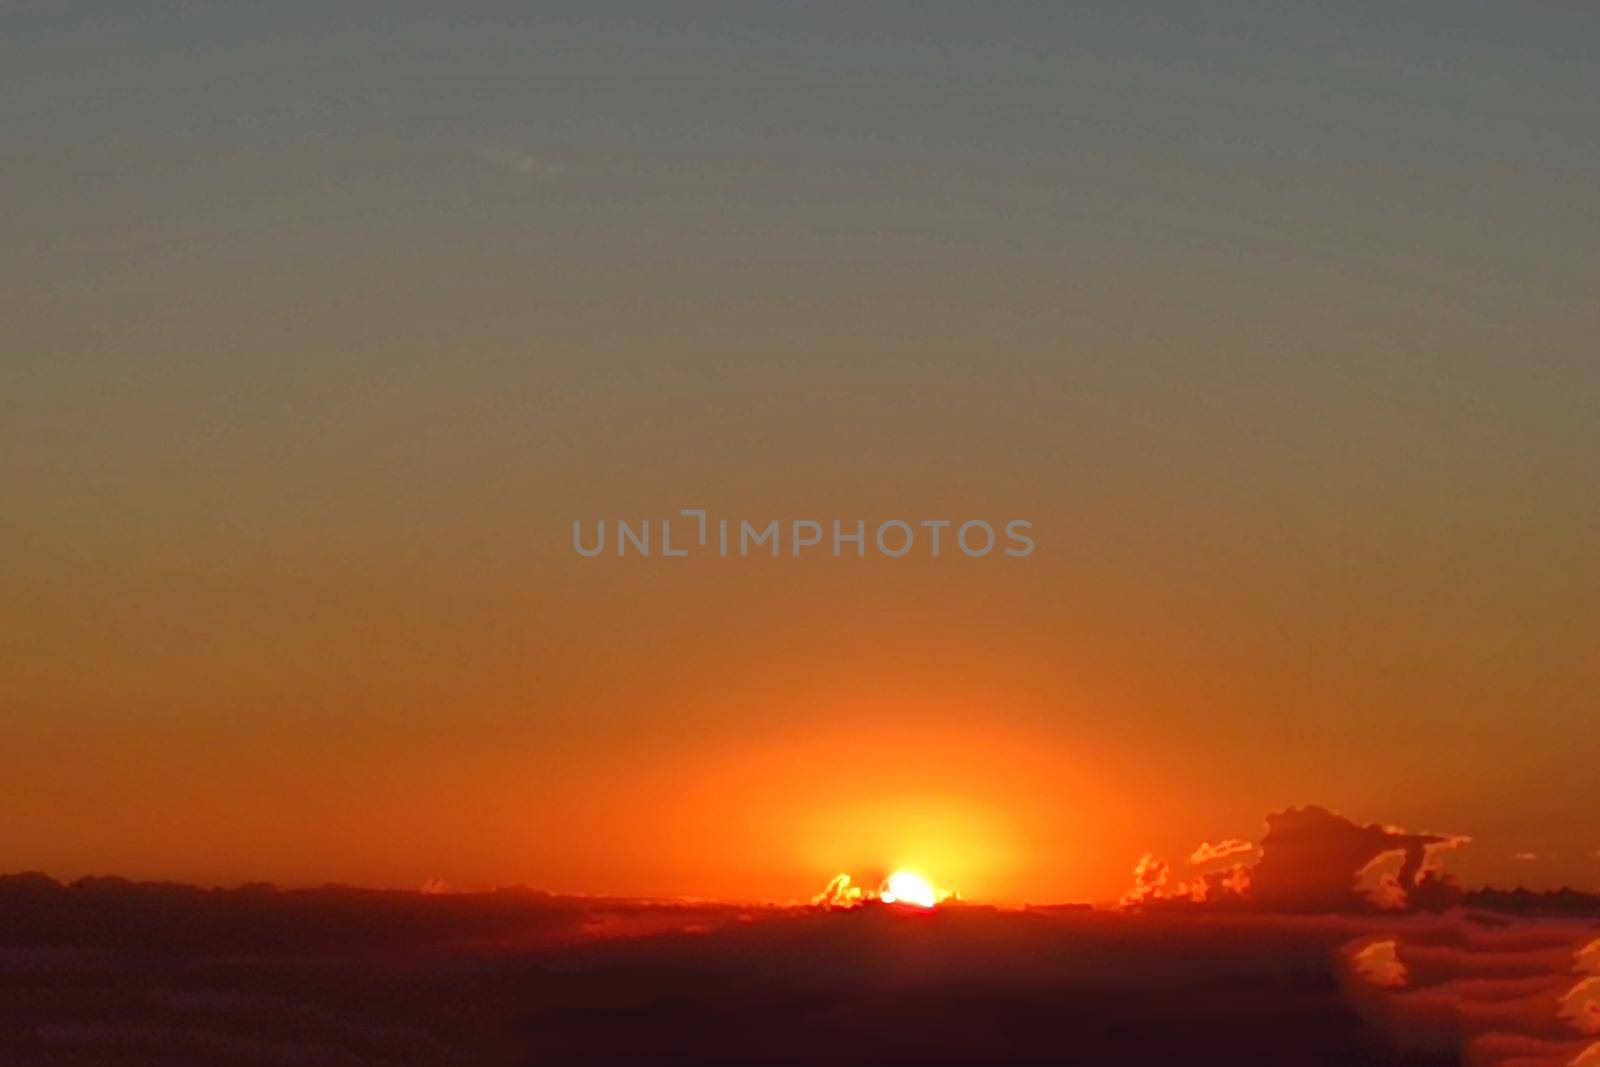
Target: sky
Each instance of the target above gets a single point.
(323, 325)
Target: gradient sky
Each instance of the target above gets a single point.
(1278, 321)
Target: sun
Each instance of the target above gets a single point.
(908, 887)
(904, 888)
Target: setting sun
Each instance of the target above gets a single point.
(908, 887)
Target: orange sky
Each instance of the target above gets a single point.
(1287, 357)
(748, 728)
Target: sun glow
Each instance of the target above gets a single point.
(908, 887)
(905, 888)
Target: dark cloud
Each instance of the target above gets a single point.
(1312, 860)
(1246, 962)
(113, 974)
(1504, 993)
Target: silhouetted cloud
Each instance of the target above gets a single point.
(1501, 992)
(106, 972)
(1311, 860)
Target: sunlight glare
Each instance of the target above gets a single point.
(908, 887)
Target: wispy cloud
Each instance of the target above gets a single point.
(1209, 853)
(522, 162)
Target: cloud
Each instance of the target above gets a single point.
(1379, 963)
(1501, 991)
(346, 976)
(1150, 878)
(1208, 853)
(1379, 881)
(1314, 860)
(840, 892)
(1152, 883)
(1581, 1006)
(1587, 961)
(522, 162)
